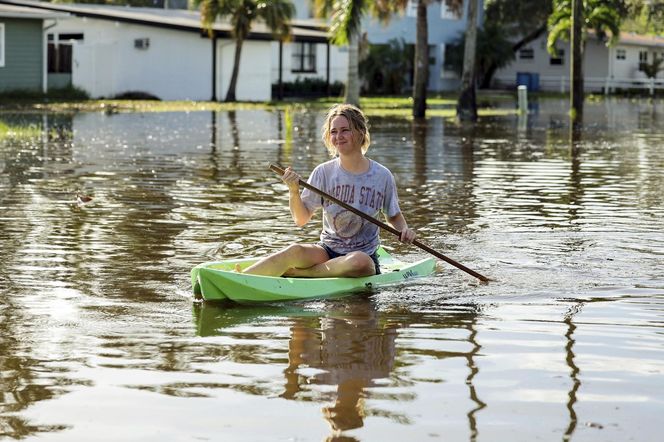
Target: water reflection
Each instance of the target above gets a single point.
(349, 351)
(419, 133)
(95, 298)
(346, 356)
(574, 369)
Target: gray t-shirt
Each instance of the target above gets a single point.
(371, 192)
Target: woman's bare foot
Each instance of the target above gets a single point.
(292, 272)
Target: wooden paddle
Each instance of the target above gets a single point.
(382, 225)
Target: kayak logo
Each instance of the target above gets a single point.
(409, 274)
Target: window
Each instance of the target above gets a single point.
(59, 58)
(526, 54)
(60, 52)
(77, 36)
(304, 57)
(2, 45)
(448, 13)
(449, 57)
(142, 43)
(643, 59)
(621, 54)
(558, 59)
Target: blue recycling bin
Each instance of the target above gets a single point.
(528, 79)
(534, 82)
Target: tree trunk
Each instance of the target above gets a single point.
(352, 90)
(576, 74)
(230, 95)
(421, 62)
(467, 104)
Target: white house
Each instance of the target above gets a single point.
(604, 68)
(111, 50)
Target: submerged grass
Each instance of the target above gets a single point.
(10, 131)
(438, 106)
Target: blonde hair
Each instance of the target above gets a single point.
(359, 124)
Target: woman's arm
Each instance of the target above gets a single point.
(301, 215)
(399, 222)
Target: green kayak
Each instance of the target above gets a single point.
(217, 281)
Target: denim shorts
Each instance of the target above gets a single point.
(332, 254)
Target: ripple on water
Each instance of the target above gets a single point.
(93, 309)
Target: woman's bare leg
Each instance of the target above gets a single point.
(353, 265)
(294, 256)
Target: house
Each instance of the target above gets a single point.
(111, 50)
(22, 48)
(309, 59)
(445, 27)
(604, 68)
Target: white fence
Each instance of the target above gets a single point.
(606, 85)
(651, 84)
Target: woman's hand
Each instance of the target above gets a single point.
(291, 179)
(399, 223)
(407, 235)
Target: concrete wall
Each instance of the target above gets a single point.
(253, 82)
(23, 55)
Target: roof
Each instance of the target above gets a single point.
(177, 19)
(629, 38)
(13, 11)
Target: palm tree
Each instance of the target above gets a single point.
(346, 27)
(242, 13)
(421, 77)
(467, 103)
(571, 19)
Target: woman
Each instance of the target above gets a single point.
(348, 243)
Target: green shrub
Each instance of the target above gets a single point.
(386, 67)
(308, 87)
(69, 93)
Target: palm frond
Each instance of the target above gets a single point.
(560, 31)
(322, 8)
(241, 18)
(210, 9)
(346, 20)
(276, 14)
(383, 10)
(602, 18)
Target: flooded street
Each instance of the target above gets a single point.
(100, 338)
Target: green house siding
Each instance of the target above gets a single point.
(58, 81)
(24, 56)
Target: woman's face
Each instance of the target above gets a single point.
(342, 137)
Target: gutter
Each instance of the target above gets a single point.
(45, 55)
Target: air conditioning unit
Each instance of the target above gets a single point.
(142, 43)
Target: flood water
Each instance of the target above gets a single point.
(100, 338)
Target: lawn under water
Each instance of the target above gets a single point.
(100, 337)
